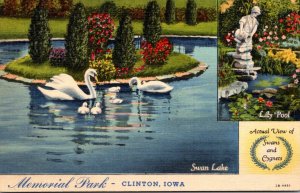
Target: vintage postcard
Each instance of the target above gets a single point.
(149, 95)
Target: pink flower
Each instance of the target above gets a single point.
(259, 47)
(260, 39)
(294, 76)
(283, 37)
(298, 70)
(269, 37)
(296, 81)
(276, 38)
(275, 27)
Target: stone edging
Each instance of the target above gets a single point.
(202, 67)
(62, 39)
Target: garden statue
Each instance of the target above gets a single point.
(243, 37)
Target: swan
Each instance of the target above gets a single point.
(151, 86)
(66, 88)
(83, 109)
(114, 89)
(96, 110)
(114, 100)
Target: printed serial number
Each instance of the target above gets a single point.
(283, 185)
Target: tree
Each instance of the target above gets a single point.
(191, 12)
(229, 20)
(170, 13)
(65, 6)
(28, 6)
(39, 36)
(124, 52)
(53, 6)
(152, 25)
(77, 39)
(109, 7)
(11, 7)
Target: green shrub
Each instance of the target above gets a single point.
(191, 12)
(271, 11)
(270, 65)
(39, 36)
(152, 24)
(124, 54)
(105, 68)
(77, 39)
(229, 20)
(226, 75)
(170, 14)
(109, 7)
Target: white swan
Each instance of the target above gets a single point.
(151, 86)
(66, 88)
(83, 109)
(114, 89)
(114, 100)
(96, 110)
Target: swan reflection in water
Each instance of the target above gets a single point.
(57, 122)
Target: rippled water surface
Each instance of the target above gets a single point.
(144, 134)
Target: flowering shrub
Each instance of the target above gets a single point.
(296, 77)
(287, 56)
(105, 68)
(291, 23)
(229, 38)
(123, 72)
(101, 28)
(158, 54)
(57, 56)
(272, 36)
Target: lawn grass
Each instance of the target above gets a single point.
(18, 28)
(143, 3)
(26, 68)
(176, 63)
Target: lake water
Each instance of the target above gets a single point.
(144, 134)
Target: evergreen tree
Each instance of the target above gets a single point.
(77, 39)
(170, 13)
(109, 7)
(124, 51)
(152, 25)
(191, 12)
(39, 36)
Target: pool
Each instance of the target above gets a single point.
(144, 134)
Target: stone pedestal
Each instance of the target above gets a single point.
(243, 63)
(232, 89)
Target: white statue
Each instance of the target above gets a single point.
(248, 27)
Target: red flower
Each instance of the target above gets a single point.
(261, 100)
(269, 104)
(93, 56)
(281, 20)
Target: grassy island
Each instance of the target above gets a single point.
(26, 68)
